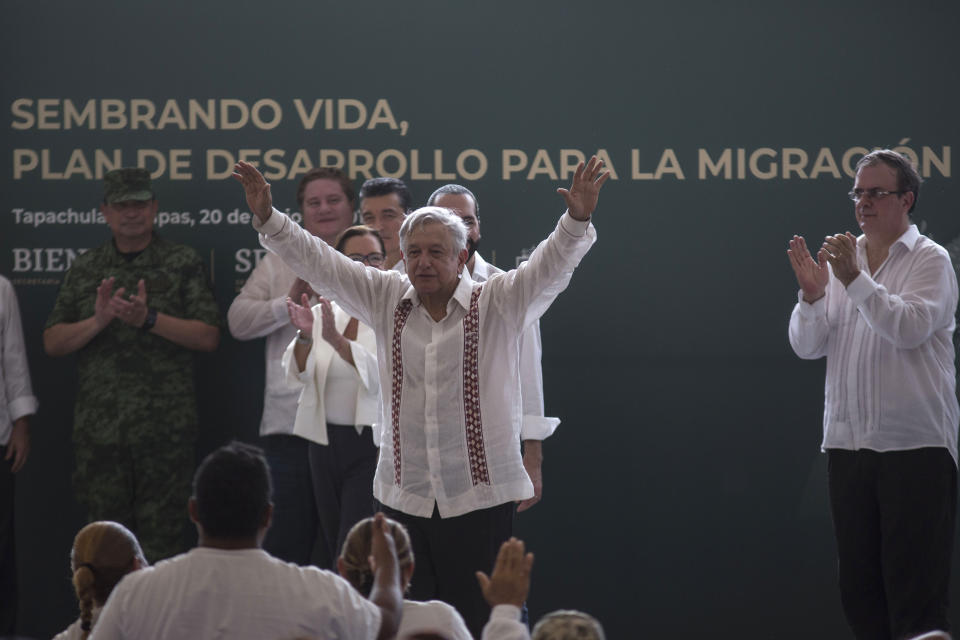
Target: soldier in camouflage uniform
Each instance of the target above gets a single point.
(134, 310)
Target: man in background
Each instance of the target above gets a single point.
(384, 204)
(535, 426)
(17, 404)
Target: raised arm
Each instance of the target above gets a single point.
(361, 291)
(505, 590)
(386, 593)
(256, 188)
(523, 294)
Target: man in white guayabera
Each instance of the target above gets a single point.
(881, 308)
(450, 467)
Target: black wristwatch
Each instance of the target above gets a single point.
(150, 320)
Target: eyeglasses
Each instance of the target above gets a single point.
(874, 194)
(372, 259)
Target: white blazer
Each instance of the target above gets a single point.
(311, 420)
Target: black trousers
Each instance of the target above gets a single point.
(448, 552)
(342, 473)
(295, 528)
(8, 558)
(893, 515)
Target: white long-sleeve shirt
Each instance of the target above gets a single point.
(535, 425)
(504, 624)
(890, 358)
(16, 394)
(451, 389)
(260, 309)
(357, 398)
(235, 594)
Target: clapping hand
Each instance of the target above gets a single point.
(110, 304)
(812, 275)
(300, 287)
(840, 251)
(301, 315)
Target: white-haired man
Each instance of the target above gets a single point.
(450, 467)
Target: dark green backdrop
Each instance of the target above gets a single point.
(684, 492)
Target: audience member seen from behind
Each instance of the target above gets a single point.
(103, 553)
(333, 360)
(420, 619)
(228, 587)
(568, 625)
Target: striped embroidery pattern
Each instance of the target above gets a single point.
(479, 473)
(400, 315)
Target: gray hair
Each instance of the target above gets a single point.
(567, 624)
(439, 215)
(456, 190)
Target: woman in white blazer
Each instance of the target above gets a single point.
(333, 359)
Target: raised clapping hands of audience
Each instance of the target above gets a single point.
(510, 581)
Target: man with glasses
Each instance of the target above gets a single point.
(882, 313)
(326, 198)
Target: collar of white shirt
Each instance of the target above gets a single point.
(461, 294)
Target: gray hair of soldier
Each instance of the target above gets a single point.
(435, 215)
(908, 178)
(457, 190)
(567, 624)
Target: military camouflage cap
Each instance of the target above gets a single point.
(129, 183)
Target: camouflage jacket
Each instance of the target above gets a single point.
(133, 384)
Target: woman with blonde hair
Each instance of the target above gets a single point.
(419, 618)
(103, 552)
